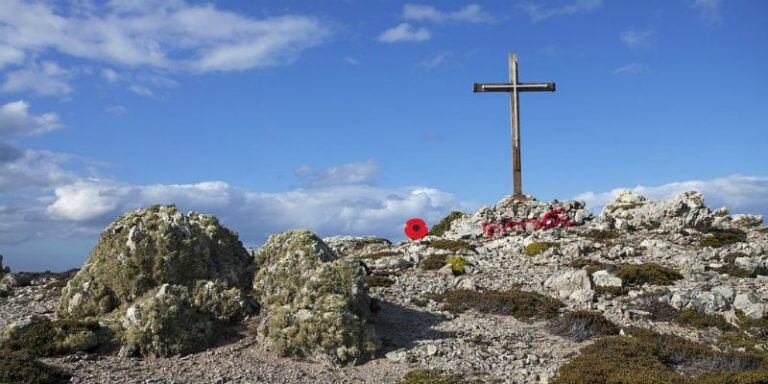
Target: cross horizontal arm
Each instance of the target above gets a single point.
(521, 87)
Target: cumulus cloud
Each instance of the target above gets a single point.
(539, 12)
(341, 209)
(46, 79)
(405, 32)
(15, 119)
(631, 69)
(746, 194)
(709, 10)
(436, 61)
(472, 13)
(170, 35)
(34, 170)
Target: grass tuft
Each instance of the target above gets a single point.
(717, 238)
(450, 245)
(378, 281)
(16, 367)
(520, 304)
(693, 318)
(457, 264)
(444, 224)
(650, 273)
(582, 325)
(431, 376)
(433, 262)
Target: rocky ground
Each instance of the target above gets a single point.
(674, 267)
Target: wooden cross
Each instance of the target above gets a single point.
(514, 88)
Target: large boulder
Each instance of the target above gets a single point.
(165, 322)
(146, 248)
(315, 304)
(633, 211)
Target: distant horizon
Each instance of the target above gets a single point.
(349, 118)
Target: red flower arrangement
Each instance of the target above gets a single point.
(416, 228)
(552, 219)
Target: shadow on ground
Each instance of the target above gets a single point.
(403, 327)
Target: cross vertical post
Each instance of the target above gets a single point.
(514, 87)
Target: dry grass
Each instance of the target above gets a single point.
(650, 273)
(520, 304)
(693, 318)
(534, 249)
(717, 238)
(431, 376)
(16, 367)
(582, 325)
(378, 281)
(433, 262)
(444, 224)
(450, 245)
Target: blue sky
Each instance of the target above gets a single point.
(349, 117)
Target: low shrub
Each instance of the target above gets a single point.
(433, 262)
(600, 236)
(50, 338)
(450, 245)
(591, 266)
(611, 291)
(444, 224)
(653, 358)
(639, 274)
(582, 325)
(457, 264)
(717, 238)
(431, 376)
(534, 249)
(514, 302)
(378, 281)
(17, 367)
(693, 318)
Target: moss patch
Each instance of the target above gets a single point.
(18, 367)
(651, 273)
(520, 304)
(378, 281)
(431, 376)
(433, 262)
(379, 255)
(717, 238)
(444, 224)
(582, 325)
(649, 357)
(457, 264)
(451, 245)
(534, 249)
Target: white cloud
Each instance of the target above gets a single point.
(110, 75)
(746, 194)
(116, 109)
(709, 10)
(347, 209)
(16, 120)
(631, 69)
(638, 39)
(537, 12)
(472, 13)
(351, 60)
(34, 170)
(405, 32)
(46, 79)
(436, 60)
(350, 173)
(171, 35)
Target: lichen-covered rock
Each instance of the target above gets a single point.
(165, 322)
(224, 304)
(316, 305)
(149, 247)
(632, 211)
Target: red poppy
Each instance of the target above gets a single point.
(416, 228)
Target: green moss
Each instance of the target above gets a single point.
(451, 245)
(18, 367)
(591, 266)
(444, 224)
(520, 304)
(639, 274)
(433, 262)
(50, 338)
(534, 249)
(420, 302)
(379, 255)
(733, 340)
(600, 236)
(582, 325)
(431, 376)
(378, 281)
(652, 358)
(718, 238)
(693, 318)
(457, 264)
